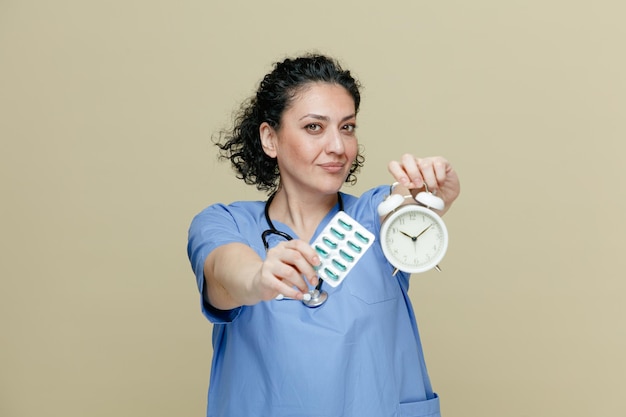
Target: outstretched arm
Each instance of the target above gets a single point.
(235, 275)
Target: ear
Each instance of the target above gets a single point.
(268, 139)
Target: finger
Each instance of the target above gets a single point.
(307, 261)
(397, 172)
(411, 166)
(440, 166)
(271, 283)
(427, 173)
(285, 290)
(406, 177)
(288, 274)
(296, 259)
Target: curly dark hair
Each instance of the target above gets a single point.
(242, 144)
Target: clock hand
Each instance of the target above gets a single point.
(423, 231)
(407, 235)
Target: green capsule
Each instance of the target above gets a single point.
(345, 255)
(337, 233)
(346, 226)
(321, 251)
(355, 247)
(362, 238)
(339, 265)
(330, 274)
(329, 243)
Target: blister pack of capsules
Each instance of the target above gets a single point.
(340, 246)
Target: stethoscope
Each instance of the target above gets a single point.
(315, 297)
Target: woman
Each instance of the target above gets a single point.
(358, 354)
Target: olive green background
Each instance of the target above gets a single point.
(106, 113)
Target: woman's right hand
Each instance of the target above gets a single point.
(284, 268)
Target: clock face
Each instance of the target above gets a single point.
(414, 239)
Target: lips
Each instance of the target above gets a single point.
(333, 167)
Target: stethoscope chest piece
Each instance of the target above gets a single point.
(315, 298)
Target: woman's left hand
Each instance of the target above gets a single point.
(436, 172)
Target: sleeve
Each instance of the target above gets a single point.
(213, 227)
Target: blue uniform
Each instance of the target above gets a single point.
(359, 354)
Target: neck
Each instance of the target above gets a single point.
(301, 214)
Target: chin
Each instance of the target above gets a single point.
(332, 188)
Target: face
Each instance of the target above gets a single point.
(316, 142)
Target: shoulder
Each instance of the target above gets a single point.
(219, 224)
(364, 208)
(367, 201)
(236, 212)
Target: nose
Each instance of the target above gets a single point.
(335, 142)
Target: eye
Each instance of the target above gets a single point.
(313, 127)
(350, 127)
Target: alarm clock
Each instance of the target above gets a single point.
(413, 237)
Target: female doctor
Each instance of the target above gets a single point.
(357, 354)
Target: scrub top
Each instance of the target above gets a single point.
(358, 354)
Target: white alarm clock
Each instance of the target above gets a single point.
(413, 237)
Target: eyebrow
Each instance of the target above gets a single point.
(326, 118)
